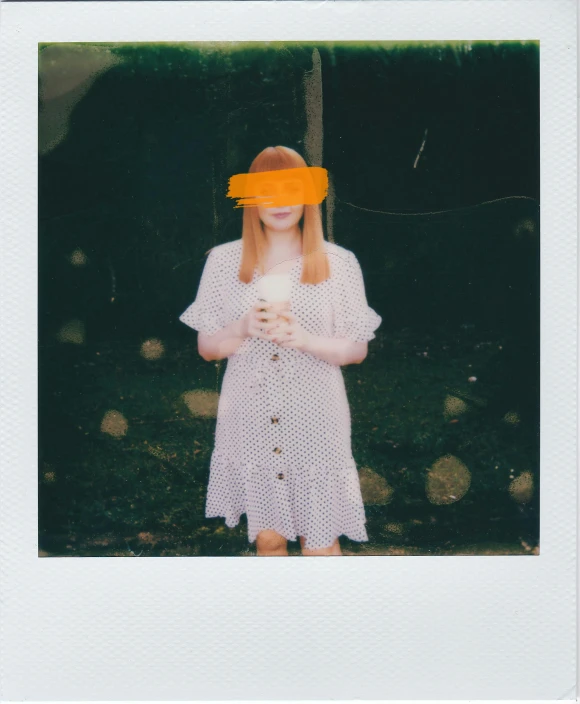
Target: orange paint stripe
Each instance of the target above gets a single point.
(306, 185)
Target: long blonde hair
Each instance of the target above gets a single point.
(315, 266)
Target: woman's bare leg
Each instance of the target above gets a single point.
(269, 543)
(334, 549)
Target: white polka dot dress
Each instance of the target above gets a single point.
(282, 451)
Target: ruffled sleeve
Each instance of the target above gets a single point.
(353, 318)
(207, 314)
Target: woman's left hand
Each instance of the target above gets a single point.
(289, 332)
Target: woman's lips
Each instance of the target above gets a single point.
(280, 216)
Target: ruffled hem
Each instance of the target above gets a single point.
(358, 536)
(201, 320)
(360, 327)
(317, 503)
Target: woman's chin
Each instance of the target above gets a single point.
(281, 225)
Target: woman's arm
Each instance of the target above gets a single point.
(226, 341)
(336, 351)
(257, 322)
(221, 344)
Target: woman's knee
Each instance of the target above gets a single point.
(333, 549)
(270, 541)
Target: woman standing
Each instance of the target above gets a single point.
(282, 451)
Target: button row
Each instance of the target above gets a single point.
(275, 357)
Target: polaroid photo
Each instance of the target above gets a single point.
(288, 280)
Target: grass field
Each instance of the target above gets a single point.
(448, 459)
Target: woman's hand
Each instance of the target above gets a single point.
(289, 332)
(258, 321)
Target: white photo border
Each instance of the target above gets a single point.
(386, 628)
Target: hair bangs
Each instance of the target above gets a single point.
(276, 159)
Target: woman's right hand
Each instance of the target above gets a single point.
(258, 321)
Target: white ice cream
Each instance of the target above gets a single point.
(274, 288)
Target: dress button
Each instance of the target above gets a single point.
(277, 450)
(274, 419)
(280, 476)
(275, 357)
